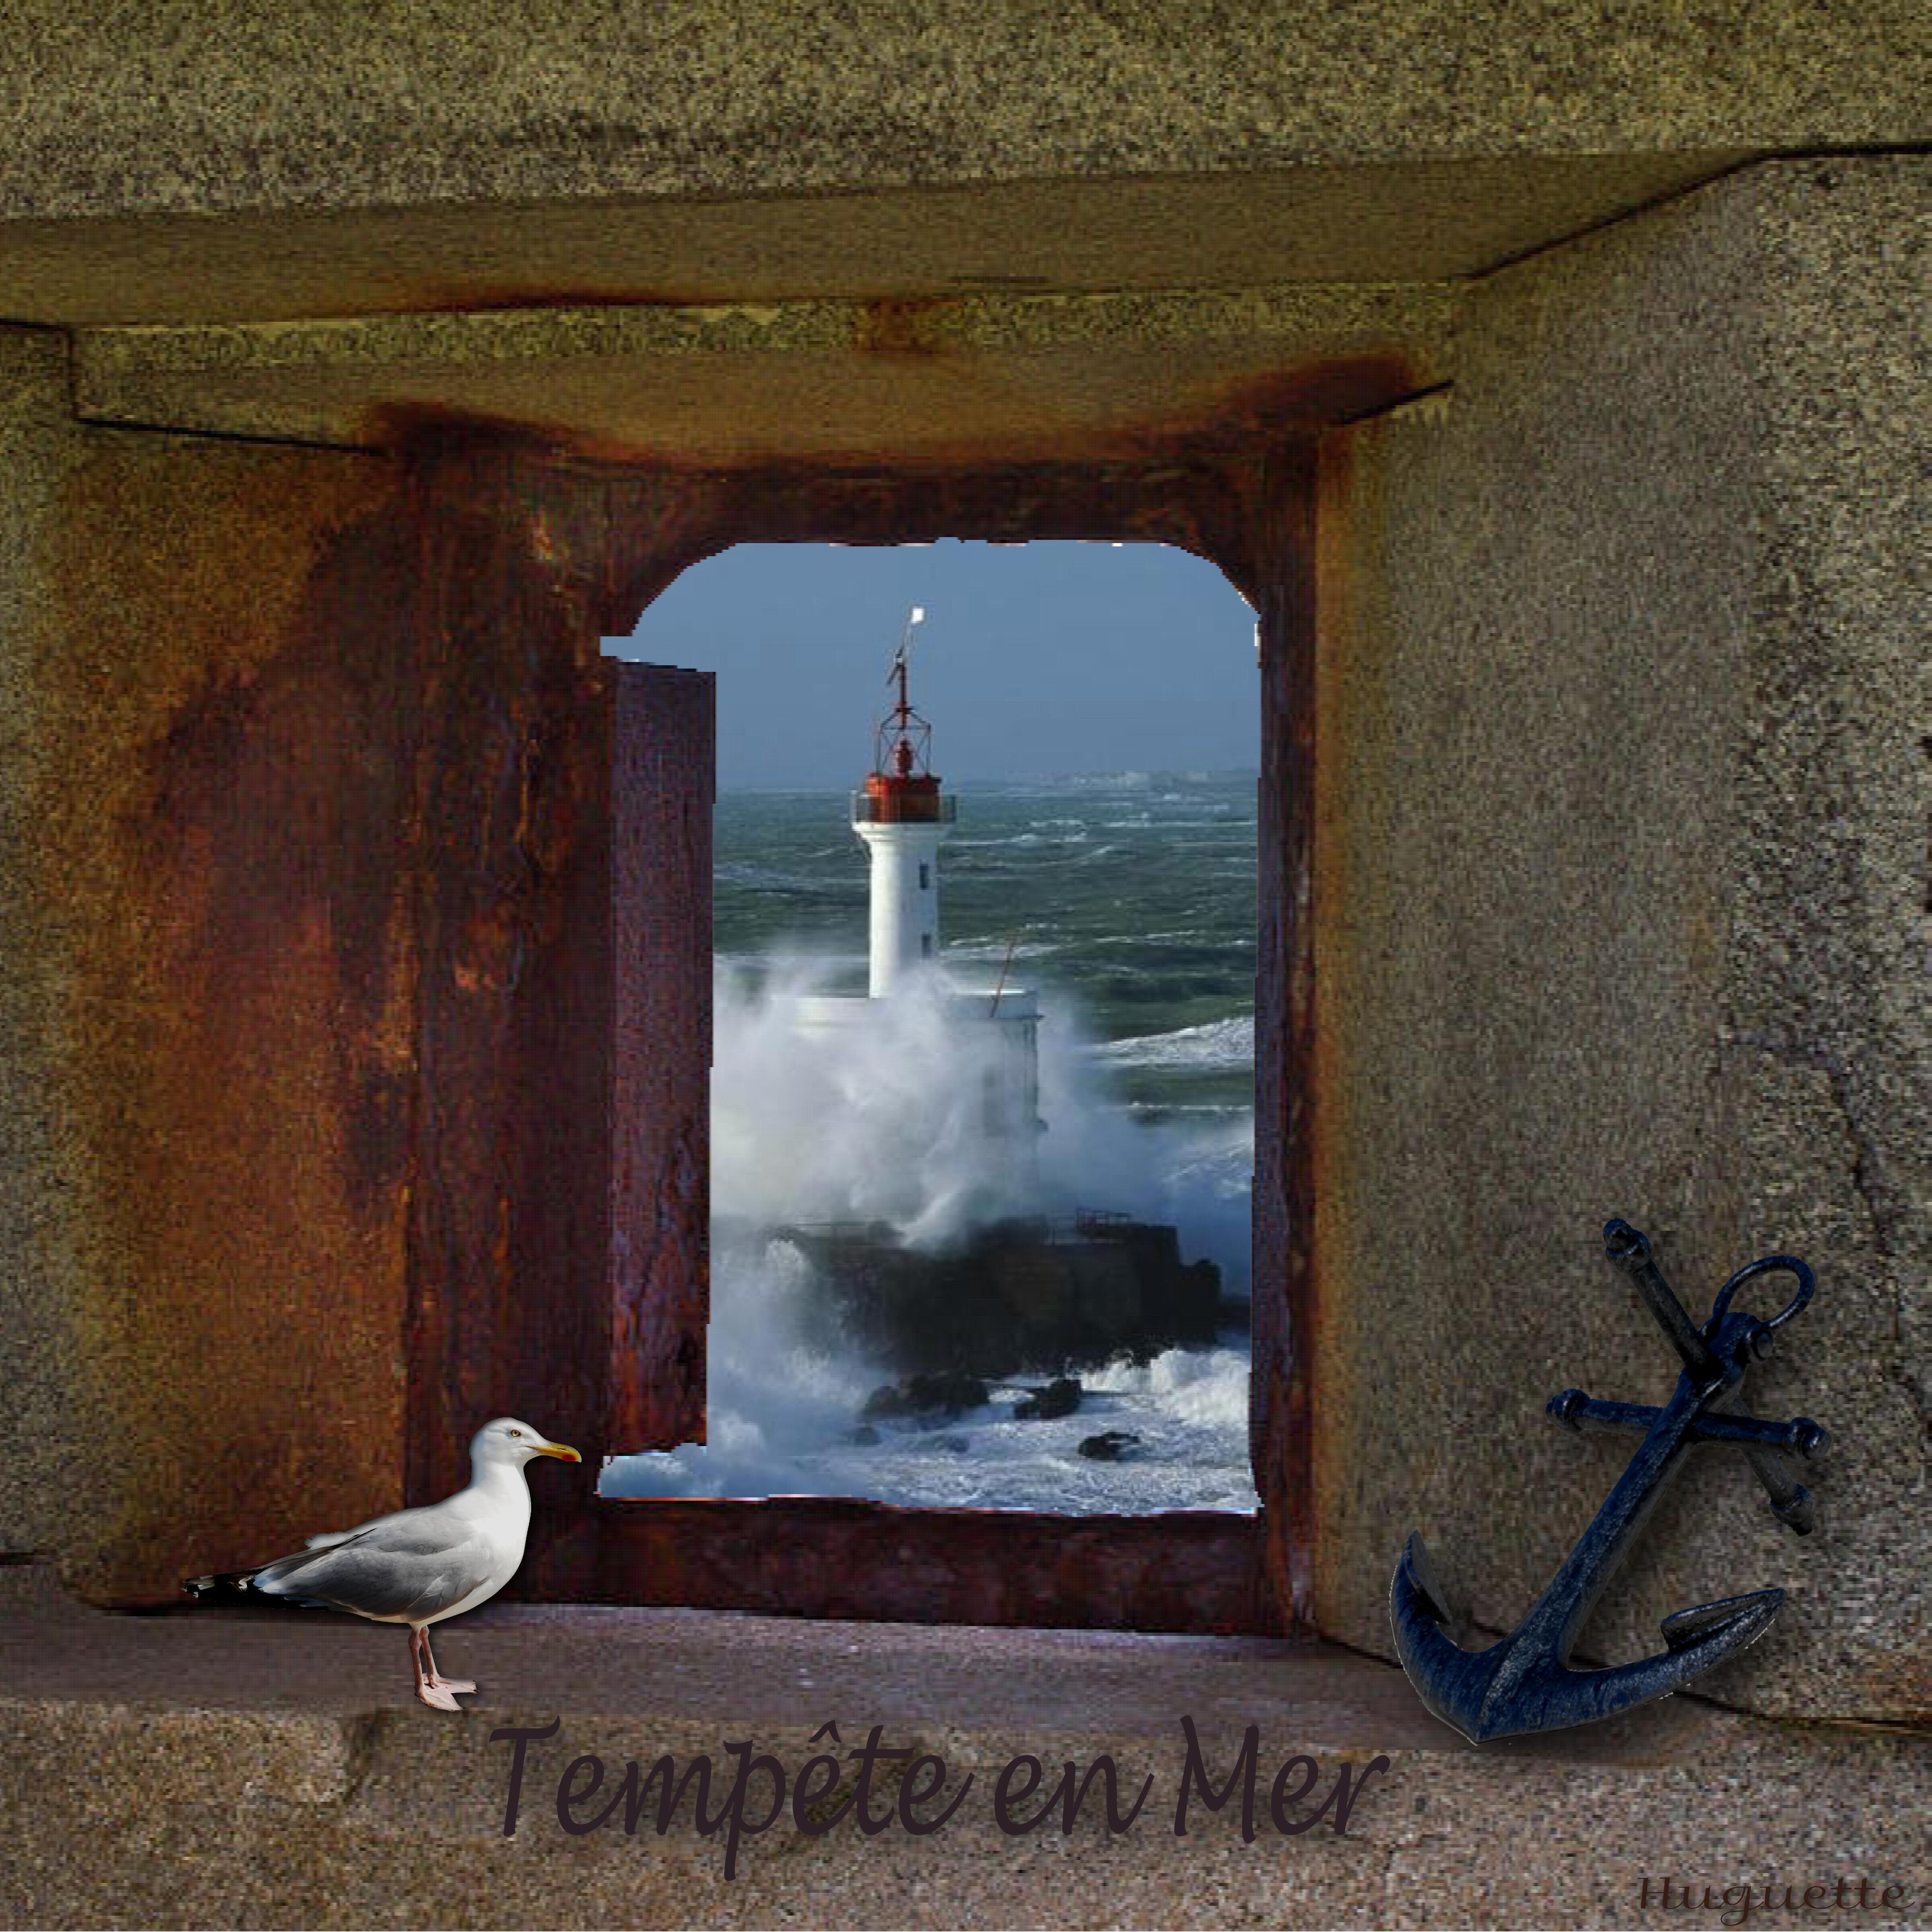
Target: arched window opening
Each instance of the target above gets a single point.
(918, 1297)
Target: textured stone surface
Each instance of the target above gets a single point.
(1019, 377)
(1825, 1054)
(197, 105)
(1417, 221)
(1623, 872)
(1622, 868)
(201, 1771)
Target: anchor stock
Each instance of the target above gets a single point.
(1525, 1683)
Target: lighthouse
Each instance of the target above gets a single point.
(904, 818)
(977, 1045)
(941, 1251)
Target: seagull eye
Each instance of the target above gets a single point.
(516, 1431)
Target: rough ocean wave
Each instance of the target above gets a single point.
(1142, 944)
(1221, 1044)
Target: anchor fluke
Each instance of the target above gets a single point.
(1745, 1618)
(1451, 1681)
(1514, 1687)
(1433, 1599)
(1550, 1696)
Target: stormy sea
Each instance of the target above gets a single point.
(1127, 901)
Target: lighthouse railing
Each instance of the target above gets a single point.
(912, 809)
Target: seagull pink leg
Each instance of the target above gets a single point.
(436, 1677)
(438, 1696)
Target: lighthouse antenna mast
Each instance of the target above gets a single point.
(909, 734)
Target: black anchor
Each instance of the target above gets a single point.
(1525, 1683)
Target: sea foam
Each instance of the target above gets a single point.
(874, 1122)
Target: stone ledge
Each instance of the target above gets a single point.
(210, 1769)
(742, 382)
(1419, 221)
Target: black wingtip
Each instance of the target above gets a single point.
(225, 1583)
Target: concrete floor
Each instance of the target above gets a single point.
(237, 1767)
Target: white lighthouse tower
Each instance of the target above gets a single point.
(904, 818)
(985, 1104)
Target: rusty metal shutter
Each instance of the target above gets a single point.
(662, 786)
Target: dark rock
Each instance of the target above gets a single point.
(1061, 1396)
(864, 1437)
(1109, 1446)
(944, 1397)
(1019, 1297)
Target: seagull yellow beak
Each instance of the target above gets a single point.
(558, 1449)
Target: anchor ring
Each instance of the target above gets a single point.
(1770, 1264)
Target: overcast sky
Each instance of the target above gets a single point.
(1032, 661)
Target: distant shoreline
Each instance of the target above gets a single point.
(1075, 781)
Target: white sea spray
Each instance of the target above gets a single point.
(875, 1122)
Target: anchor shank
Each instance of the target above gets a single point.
(1565, 1606)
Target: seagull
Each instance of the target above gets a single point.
(418, 1566)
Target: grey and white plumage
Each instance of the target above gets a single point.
(419, 1566)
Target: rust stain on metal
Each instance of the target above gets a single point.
(433, 442)
(662, 785)
(508, 1231)
(1312, 394)
(800, 1556)
(1287, 1065)
(432, 881)
(900, 325)
(216, 836)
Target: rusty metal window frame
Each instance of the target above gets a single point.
(1244, 501)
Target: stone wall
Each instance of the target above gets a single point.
(204, 106)
(1623, 909)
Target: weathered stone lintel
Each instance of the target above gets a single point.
(1364, 221)
(741, 382)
